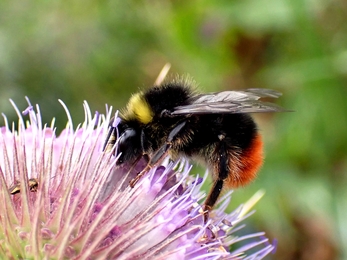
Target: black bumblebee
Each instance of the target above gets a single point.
(214, 128)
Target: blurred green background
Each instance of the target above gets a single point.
(101, 51)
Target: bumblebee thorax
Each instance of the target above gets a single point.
(139, 109)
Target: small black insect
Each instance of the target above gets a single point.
(32, 183)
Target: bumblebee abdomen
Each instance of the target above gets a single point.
(237, 130)
(229, 144)
(244, 166)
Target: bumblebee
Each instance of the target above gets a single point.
(215, 128)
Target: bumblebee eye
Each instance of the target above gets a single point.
(125, 139)
(129, 146)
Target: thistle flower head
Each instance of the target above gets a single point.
(64, 198)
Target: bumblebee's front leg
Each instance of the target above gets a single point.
(159, 154)
(111, 139)
(221, 172)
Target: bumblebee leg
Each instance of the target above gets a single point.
(110, 139)
(222, 170)
(212, 197)
(159, 154)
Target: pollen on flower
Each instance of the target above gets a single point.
(63, 197)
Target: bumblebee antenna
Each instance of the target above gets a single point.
(162, 75)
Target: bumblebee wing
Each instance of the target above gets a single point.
(231, 102)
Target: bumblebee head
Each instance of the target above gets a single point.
(143, 114)
(129, 142)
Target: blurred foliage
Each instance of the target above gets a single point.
(101, 51)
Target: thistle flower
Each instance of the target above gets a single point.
(63, 198)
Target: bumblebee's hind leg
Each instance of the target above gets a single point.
(221, 172)
(159, 154)
(212, 197)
